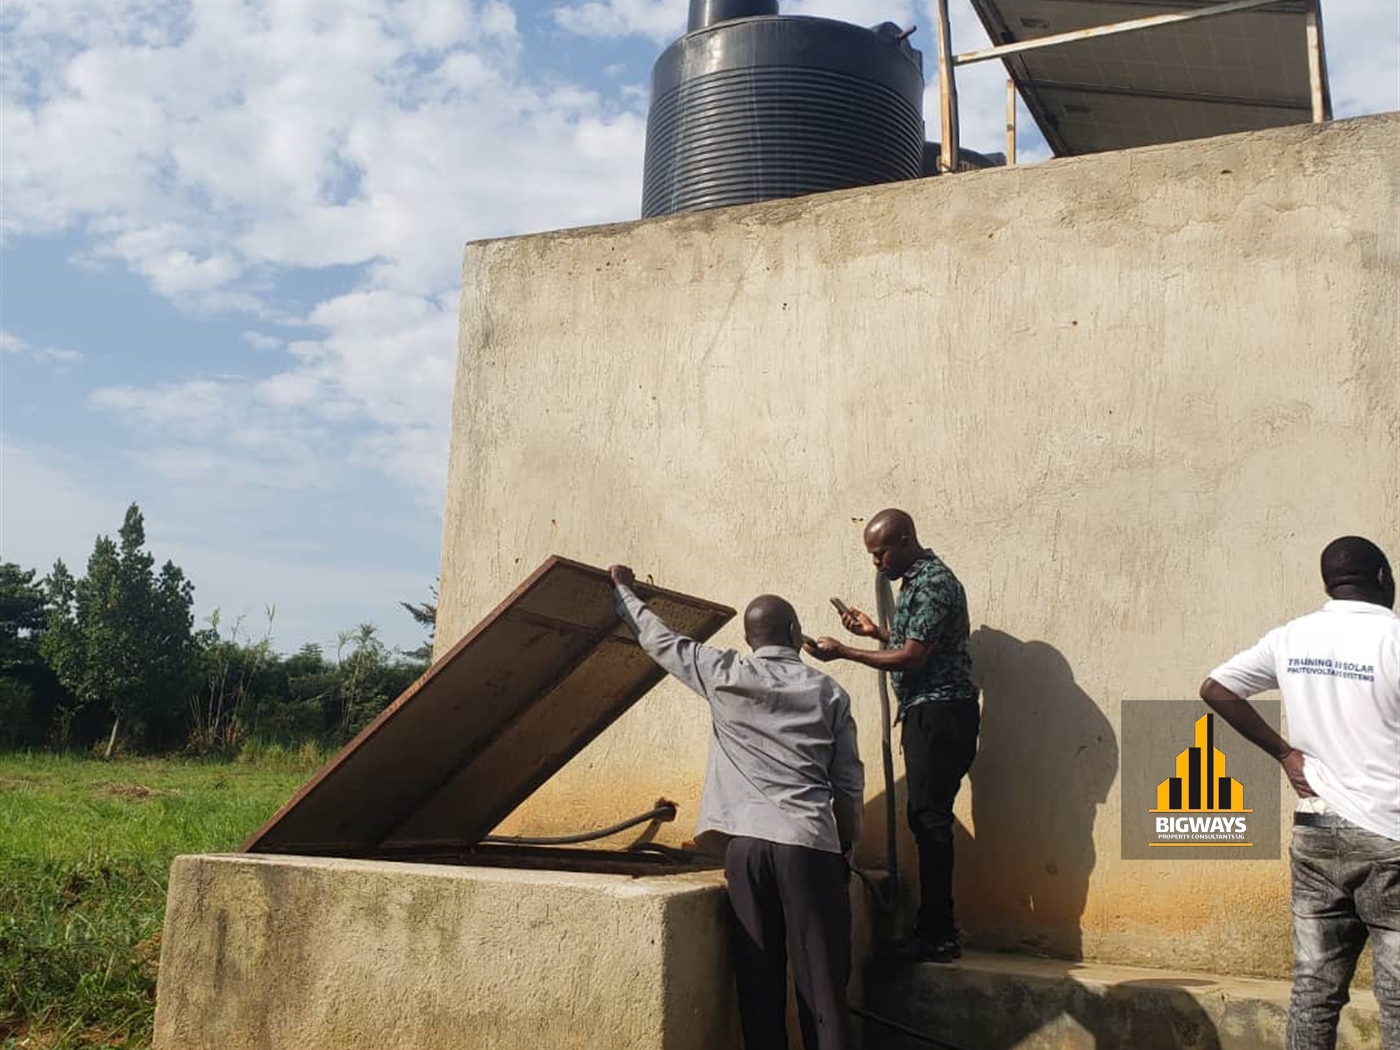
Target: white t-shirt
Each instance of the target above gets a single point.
(1339, 672)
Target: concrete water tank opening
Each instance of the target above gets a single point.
(523, 692)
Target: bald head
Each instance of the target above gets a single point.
(1355, 568)
(890, 523)
(770, 620)
(893, 542)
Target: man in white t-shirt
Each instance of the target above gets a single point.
(1339, 672)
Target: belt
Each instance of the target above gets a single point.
(1321, 820)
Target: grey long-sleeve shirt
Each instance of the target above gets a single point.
(783, 742)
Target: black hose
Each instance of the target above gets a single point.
(895, 1026)
(664, 811)
(657, 849)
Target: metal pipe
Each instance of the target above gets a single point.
(1010, 122)
(1112, 29)
(1317, 88)
(947, 92)
(663, 812)
(884, 609)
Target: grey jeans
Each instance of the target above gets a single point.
(1346, 888)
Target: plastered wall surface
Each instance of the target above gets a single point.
(1128, 398)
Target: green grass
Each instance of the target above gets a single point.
(85, 850)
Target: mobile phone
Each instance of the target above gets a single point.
(841, 606)
(807, 639)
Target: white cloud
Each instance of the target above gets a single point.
(659, 20)
(60, 359)
(261, 340)
(859, 12)
(48, 510)
(223, 432)
(196, 145)
(385, 360)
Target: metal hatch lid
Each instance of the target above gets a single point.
(1243, 71)
(528, 688)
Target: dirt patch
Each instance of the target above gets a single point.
(134, 792)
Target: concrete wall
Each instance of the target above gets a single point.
(294, 953)
(1128, 397)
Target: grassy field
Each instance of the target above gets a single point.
(85, 849)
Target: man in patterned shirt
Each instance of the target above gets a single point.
(925, 652)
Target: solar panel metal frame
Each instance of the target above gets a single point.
(1237, 112)
(506, 708)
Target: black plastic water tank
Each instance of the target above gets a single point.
(711, 12)
(757, 108)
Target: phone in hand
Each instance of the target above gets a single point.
(808, 640)
(841, 607)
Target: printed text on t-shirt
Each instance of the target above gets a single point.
(1334, 668)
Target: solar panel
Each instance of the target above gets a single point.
(1234, 72)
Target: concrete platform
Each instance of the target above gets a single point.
(297, 953)
(989, 1001)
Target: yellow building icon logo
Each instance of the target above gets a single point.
(1207, 806)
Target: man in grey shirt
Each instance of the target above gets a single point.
(784, 787)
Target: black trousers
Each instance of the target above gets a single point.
(940, 742)
(790, 902)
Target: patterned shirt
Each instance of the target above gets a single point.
(932, 608)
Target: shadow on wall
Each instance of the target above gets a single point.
(1046, 760)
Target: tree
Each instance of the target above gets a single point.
(61, 644)
(121, 637)
(361, 659)
(29, 693)
(21, 619)
(233, 670)
(426, 615)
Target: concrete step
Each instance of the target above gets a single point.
(989, 1001)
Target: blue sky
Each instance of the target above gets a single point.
(232, 231)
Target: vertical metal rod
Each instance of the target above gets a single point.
(1319, 106)
(884, 612)
(947, 92)
(1010, 121)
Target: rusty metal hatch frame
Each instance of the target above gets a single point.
(505, 709)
